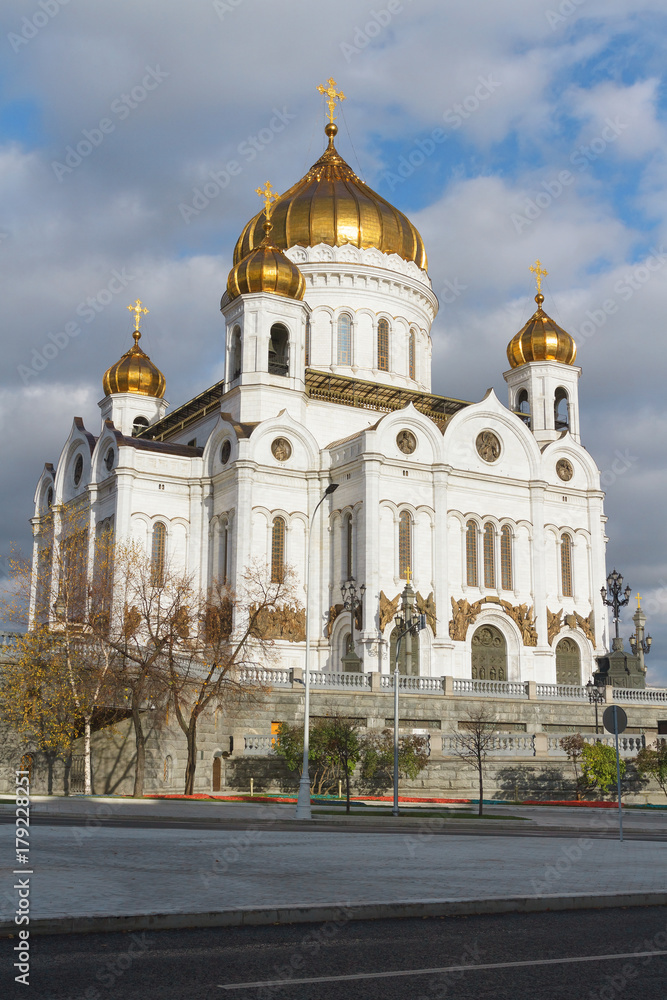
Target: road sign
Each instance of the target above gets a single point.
(608, 719)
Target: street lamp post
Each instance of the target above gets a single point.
(595, 697)
(611, 596)
(408, 624)
(303, 800)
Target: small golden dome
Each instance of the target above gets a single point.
(266, 269)
(135, 372)
(332, 205)
(541, 340)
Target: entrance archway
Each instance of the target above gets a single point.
(217, 774)
(489, 654)
(568, 662)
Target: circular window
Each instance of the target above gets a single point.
(406, 442)
(78, 469)
(565, 469)
(225, 452)
(281, 449)
(488, 446)
(49, 496)
(108, 459)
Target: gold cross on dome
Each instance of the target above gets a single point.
(332, 96)
(639, 600)
(539, 274)
(269, 195)
(407, 575)
(138, 313)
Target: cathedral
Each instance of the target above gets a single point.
(488, 515)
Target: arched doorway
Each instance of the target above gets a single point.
(217, 774)
(489, 654)
(568, 662)
(408, 654)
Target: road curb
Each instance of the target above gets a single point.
(319, 912)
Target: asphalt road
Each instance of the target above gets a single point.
(568, 956)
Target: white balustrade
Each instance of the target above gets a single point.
(562, 692)
(265, 677)
(493, 689)
(332, 679)
(259, 744)
(637, 694)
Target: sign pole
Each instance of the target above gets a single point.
(618, 777)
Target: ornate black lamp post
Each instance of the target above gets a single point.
(611, 596)
(596, 698)
(352, 601)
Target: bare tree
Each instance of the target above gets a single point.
(473, 743)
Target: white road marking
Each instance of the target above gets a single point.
(443, 969)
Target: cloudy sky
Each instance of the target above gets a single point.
(133, 135)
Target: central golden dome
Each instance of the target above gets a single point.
(332, 205)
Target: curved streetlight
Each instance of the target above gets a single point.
(303, 800)
(611, 597)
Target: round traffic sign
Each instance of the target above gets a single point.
(608, 719)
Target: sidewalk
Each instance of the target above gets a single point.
(91, 877)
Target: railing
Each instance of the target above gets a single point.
(429, 685)
(628, 745)
(327, 679)
(562, 692)
(265, 677)
(496, 689)
(510, 745)
(637, 694)
(260, 745)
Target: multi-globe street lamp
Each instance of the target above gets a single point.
(352, 601)
(303, 800)
(611, 596)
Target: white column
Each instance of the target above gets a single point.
(368, 549)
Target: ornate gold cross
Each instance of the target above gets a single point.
(407, 575)
(269, 195)
(332, 96)
(138, 313)
(539, 274)
(639, 600)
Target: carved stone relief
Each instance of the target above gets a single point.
(388, 609)
(464, 614)
(281, 449)
(554, 624)
(426, 606)
(282, 623)
(488, 446)
(565, 469)
(406, 442)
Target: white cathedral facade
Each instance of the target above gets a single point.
(493, 513)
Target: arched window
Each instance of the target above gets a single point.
(307, 342)
(404, 545)
(279, 350)
(158, 553)
(349, 567)
(277, 550)
(566, 565)
(236, 354)
(344, 345)
(523, 406)
(216, 775)
(561, 410)
(489, 556)
(412, 355)
(138, 425)
(506, 559)
(383, 345)
(471, 554)
(224, 551)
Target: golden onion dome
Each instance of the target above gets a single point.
(332, 205)
(266, 269)
(541, 340)
(135, 372)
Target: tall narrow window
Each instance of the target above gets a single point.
(471, 554)
(158, 553)
(506, 558)
(383, 345)
(307, 342)
(566, 565)
(412, 355)
(224, 552)
(523, 406)
(277, 550)
(344, 349)
(349, 568)
(236, 354)
(279, 350)
(489, 556)
(404, 545)
(561, 410)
